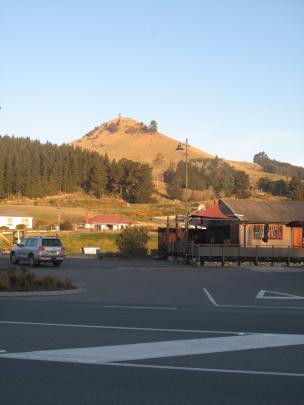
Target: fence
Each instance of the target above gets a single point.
(236, 253)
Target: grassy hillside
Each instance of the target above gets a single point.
(76, 207)
(127, 138)
(254, 171)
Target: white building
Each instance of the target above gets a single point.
(106, 222)
(11, 222)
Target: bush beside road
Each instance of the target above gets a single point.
(21, 279)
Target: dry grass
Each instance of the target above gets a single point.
(21, 279)
(77, 206)
(255, 171)
(129, 140)
(73, 241)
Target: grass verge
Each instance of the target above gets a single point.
(74, 240)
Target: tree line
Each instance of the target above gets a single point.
(33, 169)
(274, 166)
(204, 174)
(293, 189)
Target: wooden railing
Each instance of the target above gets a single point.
(236, 253)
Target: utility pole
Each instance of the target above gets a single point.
(184, 147)
(59, 218)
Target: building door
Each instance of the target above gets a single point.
(297, 235)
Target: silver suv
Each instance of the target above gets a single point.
(38, 249)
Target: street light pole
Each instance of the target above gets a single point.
(186, 195)
(184, 147)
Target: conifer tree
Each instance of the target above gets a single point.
(296, 189)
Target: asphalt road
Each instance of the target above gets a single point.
(153, 332)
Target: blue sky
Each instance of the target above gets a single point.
(227, 74)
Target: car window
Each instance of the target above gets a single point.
(25, 242)
(32, 242)
(51, 242)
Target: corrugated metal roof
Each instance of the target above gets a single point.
(264, 211)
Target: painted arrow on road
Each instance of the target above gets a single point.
(274, 295)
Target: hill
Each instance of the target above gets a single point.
(124, 137)
(127, 138)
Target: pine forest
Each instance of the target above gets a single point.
(33, 169)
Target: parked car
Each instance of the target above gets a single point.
(38, 249)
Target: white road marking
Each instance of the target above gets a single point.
(262, 294)
(275, 269)
(212, 300)
(138, 307)
(163, 349)
(148, 268)
(70, 325)
(259, 307)
(207, 370)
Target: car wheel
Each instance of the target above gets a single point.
(56, 264)
(31, 261)
(13, 259)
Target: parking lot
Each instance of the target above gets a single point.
(147, 331)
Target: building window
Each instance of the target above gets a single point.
(275, 232)
(9, 221)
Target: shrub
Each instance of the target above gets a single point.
(131, 130)
(133, 241)
(13, 277)
(67, 283)
(112, 127)
(29, 280)
(48, 282)
(24, 280)
(40, 224)
(20, 227)
(4, 281)
(66, 226)
(39, 282)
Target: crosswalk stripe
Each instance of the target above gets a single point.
(208, 370)
(126, 328)
(150, 350)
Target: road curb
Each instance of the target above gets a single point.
(6, 294)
